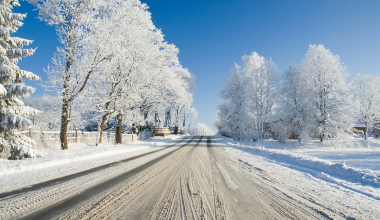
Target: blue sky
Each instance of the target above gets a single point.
(213, 35)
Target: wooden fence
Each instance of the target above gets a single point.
(78, 137)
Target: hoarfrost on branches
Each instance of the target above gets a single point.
(329, 94)
(113, 62)
(311, 101)
(367, 100)
(250, 95)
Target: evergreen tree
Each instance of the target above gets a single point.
(12, 115)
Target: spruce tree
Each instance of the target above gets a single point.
(13, 144)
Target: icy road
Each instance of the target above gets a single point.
(193, 179)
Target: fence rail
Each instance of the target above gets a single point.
(78, 136)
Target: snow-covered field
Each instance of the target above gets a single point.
(21, 173)
(351, 163)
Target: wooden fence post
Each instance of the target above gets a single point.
(76, 135)
(30, 131)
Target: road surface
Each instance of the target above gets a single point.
(190, 180)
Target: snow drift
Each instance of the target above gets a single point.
(339, 170)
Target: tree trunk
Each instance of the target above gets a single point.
(105, 120)
(103, 123)
(176, 121)
(157, 120)
(166, 124)
(176, 130)
(184, 119)
(366, 131)
(98, 135)
(119, 128)
(136, 129)
(64, 124)
(168, 117)
(138, 132)
(65, 100)
(322, 136)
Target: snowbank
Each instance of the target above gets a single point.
(77, 158)
(339, 170)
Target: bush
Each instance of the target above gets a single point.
(20, 152)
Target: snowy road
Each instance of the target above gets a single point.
(194, 179)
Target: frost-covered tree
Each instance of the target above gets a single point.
(50, 110)
(233, 112)
(113, 56)
(13, 111)
(185, 98)
(180, 91)
(328, 93)
(188, 113)
(367, 100)
(295, 112)
(84, 31)
(202, 130)
(135, 43)
(143, 76)
(223, 121)
(261, 75)
(315, 97)
(250, 94)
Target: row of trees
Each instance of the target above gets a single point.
(310, 100)
(85, 117)
(113, 62)
(201, 129)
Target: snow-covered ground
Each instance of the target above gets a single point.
(291, 171)
(79, 157)
(350, 163)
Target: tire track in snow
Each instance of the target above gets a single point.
(72, 201)
(49, 183)
(195, 181)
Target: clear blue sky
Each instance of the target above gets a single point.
(212, 35)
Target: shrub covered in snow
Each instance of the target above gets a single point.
(21, 152)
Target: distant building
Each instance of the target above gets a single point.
(376, 130)
(359, 129)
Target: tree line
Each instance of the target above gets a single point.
(309, 100)
(112, 63)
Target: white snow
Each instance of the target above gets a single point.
(351, 163)
(343, 174)
(226, 177)
(20, 173)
